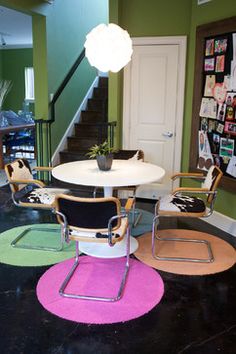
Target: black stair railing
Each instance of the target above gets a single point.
(43, 127)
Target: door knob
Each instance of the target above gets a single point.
(168, 134)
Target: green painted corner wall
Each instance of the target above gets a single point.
(14, 62)
(67, 27)
(142, 19)
(154, 18)
(59, 33)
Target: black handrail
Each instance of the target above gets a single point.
(45, 125)
(64, 83)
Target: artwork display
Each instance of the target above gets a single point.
(214, 108)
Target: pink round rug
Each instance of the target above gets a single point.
(144, 289)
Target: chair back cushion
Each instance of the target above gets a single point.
(88, 213)
(212, 180)
(17, 170)
(129, 155)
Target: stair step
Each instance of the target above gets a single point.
(77, 143)
(97, 104)
(90, 130)
(103, 81)
(100, 92)
(92, 117)
(77, 155)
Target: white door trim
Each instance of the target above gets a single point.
(182, 42)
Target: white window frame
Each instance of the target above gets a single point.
(29, 84)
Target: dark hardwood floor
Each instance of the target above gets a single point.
(197, 314)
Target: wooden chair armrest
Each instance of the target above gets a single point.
(42, 168)
(27, 181)
(190, 190)
(129, 204)
(187, 175)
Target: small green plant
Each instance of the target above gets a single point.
(102, 149)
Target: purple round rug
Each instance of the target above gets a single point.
(144, 290)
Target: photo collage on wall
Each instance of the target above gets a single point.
(217, 129)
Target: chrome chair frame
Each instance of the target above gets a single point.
(38, 183)
(76, 264)
(210, 259)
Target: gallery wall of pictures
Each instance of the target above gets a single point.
(214, 101)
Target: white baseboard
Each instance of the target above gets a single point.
(69, 131)
(223, 222)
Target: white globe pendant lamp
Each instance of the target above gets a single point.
(108, 47)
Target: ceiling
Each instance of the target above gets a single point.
(15, 29)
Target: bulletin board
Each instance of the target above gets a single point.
(213, 136)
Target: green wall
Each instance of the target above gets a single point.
(154, 18)
(59, 32)
(67, 27)
(14, 62)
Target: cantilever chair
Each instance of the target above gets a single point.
(31, 193)
(134, 155)
(98, 220)
(182, 203)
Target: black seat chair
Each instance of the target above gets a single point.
(183, 203)
(96, 220)
(32, 193)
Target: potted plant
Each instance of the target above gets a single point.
(104, 155)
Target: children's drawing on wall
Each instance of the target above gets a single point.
(208, 108)
(220, 45)
(209, 50)
(220, 64)
(231, 168)
(209, 85)
(221, 112)
(219, 93)
(226, 147)
(209, 64)
(205, 160)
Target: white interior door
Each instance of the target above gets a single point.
(152, 111)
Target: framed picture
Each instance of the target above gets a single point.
(230, 128)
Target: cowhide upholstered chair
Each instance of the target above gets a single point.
(183, 202)
(30, 193)
(97, 220)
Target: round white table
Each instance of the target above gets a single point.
(122, 173)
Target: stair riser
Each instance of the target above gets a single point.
(97, 105)
(67, 157)
(103, 82)
(89, 131)
(81, 143)
(100, 92)
(92, 117)
(87, 134)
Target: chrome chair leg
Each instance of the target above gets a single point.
(96, 298)
(15, 243)
(210, 258)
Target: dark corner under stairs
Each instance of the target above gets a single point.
(91, 129)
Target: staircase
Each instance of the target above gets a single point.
(89, 131)
(91, 128)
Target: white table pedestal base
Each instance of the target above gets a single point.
(103, 250)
